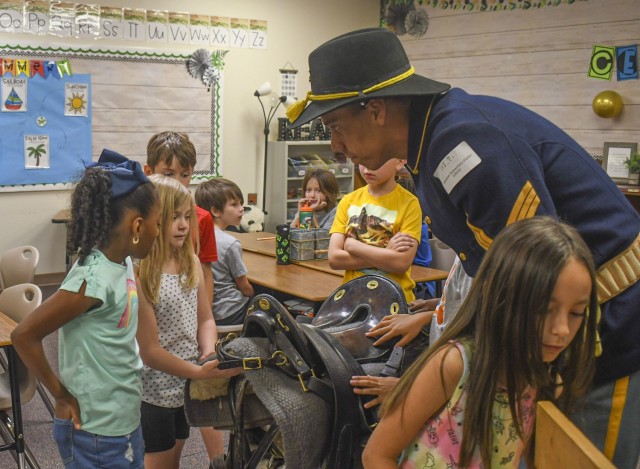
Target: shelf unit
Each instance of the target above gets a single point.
(632, 193)
(288, 163)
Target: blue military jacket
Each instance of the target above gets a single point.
(483, 163)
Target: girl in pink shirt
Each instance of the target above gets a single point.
(469, 400)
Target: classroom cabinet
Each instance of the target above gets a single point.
(288, 163)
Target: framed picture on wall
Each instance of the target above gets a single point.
(613, 158)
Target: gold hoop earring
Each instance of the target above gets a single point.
(136, 239)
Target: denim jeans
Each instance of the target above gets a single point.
(83, 450)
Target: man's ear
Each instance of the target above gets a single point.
(148, 170)
(378, 110)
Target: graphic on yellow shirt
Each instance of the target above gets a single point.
(371, 224)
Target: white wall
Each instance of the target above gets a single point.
(295, 27)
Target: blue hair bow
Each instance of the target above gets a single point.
(125, 174)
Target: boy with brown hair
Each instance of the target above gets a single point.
(232, 288)
(172, 154)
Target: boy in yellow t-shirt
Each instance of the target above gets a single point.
(377, 229)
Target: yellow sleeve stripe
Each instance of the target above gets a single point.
(525, 207)
(481, 237)
(526, 204)
(615, 417)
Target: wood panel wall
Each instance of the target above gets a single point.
(538, 58)
(134, 100)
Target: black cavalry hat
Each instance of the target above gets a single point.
(368, 63)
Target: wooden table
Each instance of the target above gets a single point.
(265, 243)
(632, 193)
(295, 280)
(64, 216)
(6, 327)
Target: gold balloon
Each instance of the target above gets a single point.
(607, 104)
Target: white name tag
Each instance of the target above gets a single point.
(456, 165)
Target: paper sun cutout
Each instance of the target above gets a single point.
(77, 103)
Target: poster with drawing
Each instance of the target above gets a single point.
(36, 152)
(76, 97)
(49, 142)
(14, 94)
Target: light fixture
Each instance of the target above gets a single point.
(273, 104)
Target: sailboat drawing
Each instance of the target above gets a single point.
(13, 102)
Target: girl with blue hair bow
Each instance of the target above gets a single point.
(114, 216)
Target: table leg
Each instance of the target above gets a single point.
(17, 407)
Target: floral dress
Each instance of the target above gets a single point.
(438, 444)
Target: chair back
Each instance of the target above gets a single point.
(559, 443)
(18, 265)
(442, 256)
(17, 302)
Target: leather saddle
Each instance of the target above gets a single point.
(315, 362)
(319, 364)
(354, 308)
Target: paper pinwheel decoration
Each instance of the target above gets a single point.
(206, 66)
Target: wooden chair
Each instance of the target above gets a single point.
(559, 443)
(442, 257)
(17, 302)
(18, 265)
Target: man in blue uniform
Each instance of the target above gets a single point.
(481, 163)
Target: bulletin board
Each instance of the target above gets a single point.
(46, 128)
(131, 95)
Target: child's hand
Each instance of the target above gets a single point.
(304, 202)
(211, 370)
(373, 386)
(67, 408)
(407, 326)
(318, 206)
(423, 306)
(401, 242)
